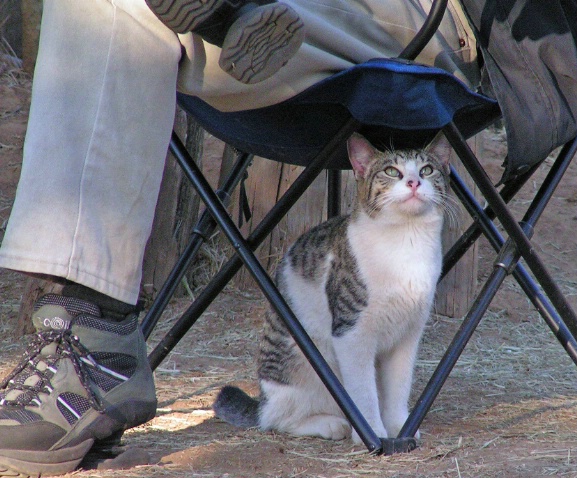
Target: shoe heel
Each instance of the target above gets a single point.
(108, 444)
(261, 42)
(183, 16)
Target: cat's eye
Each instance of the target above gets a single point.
(426, 171)
(393, 172)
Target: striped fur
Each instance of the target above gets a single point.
(362, 285)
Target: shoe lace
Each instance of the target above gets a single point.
(67, 346)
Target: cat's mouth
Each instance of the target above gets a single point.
(414, 198)
(414, 203)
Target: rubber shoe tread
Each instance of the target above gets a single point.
(261, 42)
(256, 41)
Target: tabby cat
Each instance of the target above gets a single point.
(362, 285)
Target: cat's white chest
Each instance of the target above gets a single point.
(400, 263)
(395, 260)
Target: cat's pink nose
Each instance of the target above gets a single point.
(413, 184)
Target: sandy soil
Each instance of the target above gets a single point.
(508, 409)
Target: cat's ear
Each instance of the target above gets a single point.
(360, 154)
(441, 149)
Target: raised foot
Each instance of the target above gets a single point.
(261, 42)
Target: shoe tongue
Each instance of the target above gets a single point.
(51, 317)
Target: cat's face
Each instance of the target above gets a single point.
(406, 182)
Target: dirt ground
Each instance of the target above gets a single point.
(508, 409)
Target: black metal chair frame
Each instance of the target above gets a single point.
(543, 292)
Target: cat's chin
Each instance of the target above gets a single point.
(413, 206)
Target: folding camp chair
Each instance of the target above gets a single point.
(391, 101)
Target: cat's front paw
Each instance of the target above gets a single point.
(379, 430)
(329, 427)
(335, 428)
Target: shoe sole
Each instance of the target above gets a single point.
(37, 463)
(66, 459)
(261, 42)
(258, 44)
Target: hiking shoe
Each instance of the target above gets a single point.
(257, 38)
(83, 380)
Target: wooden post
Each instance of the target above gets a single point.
(267, 181)
(31, 18)
(176, 212)
(456, 291)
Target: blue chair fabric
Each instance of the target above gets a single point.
(400, 103)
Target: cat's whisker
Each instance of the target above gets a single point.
(379, 202)
(450, 207)
(451, 217)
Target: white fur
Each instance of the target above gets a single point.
(401, 293)
(375, 359)
(306, 407)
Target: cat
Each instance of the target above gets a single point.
(362, 285)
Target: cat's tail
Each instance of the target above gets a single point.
(234, 406)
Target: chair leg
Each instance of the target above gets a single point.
(509, 253)
(531, 289)
(202, 231)
(333, 193)
(453, 353)
(513, 229)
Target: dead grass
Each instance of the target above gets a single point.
(509, 407)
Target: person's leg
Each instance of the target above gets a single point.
(100, 121)
(101, 115)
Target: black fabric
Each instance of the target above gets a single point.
(401, 104)
(111, 308)
(529, 48)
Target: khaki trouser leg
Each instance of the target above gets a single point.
(102, 110)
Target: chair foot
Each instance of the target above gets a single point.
(390, 446)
